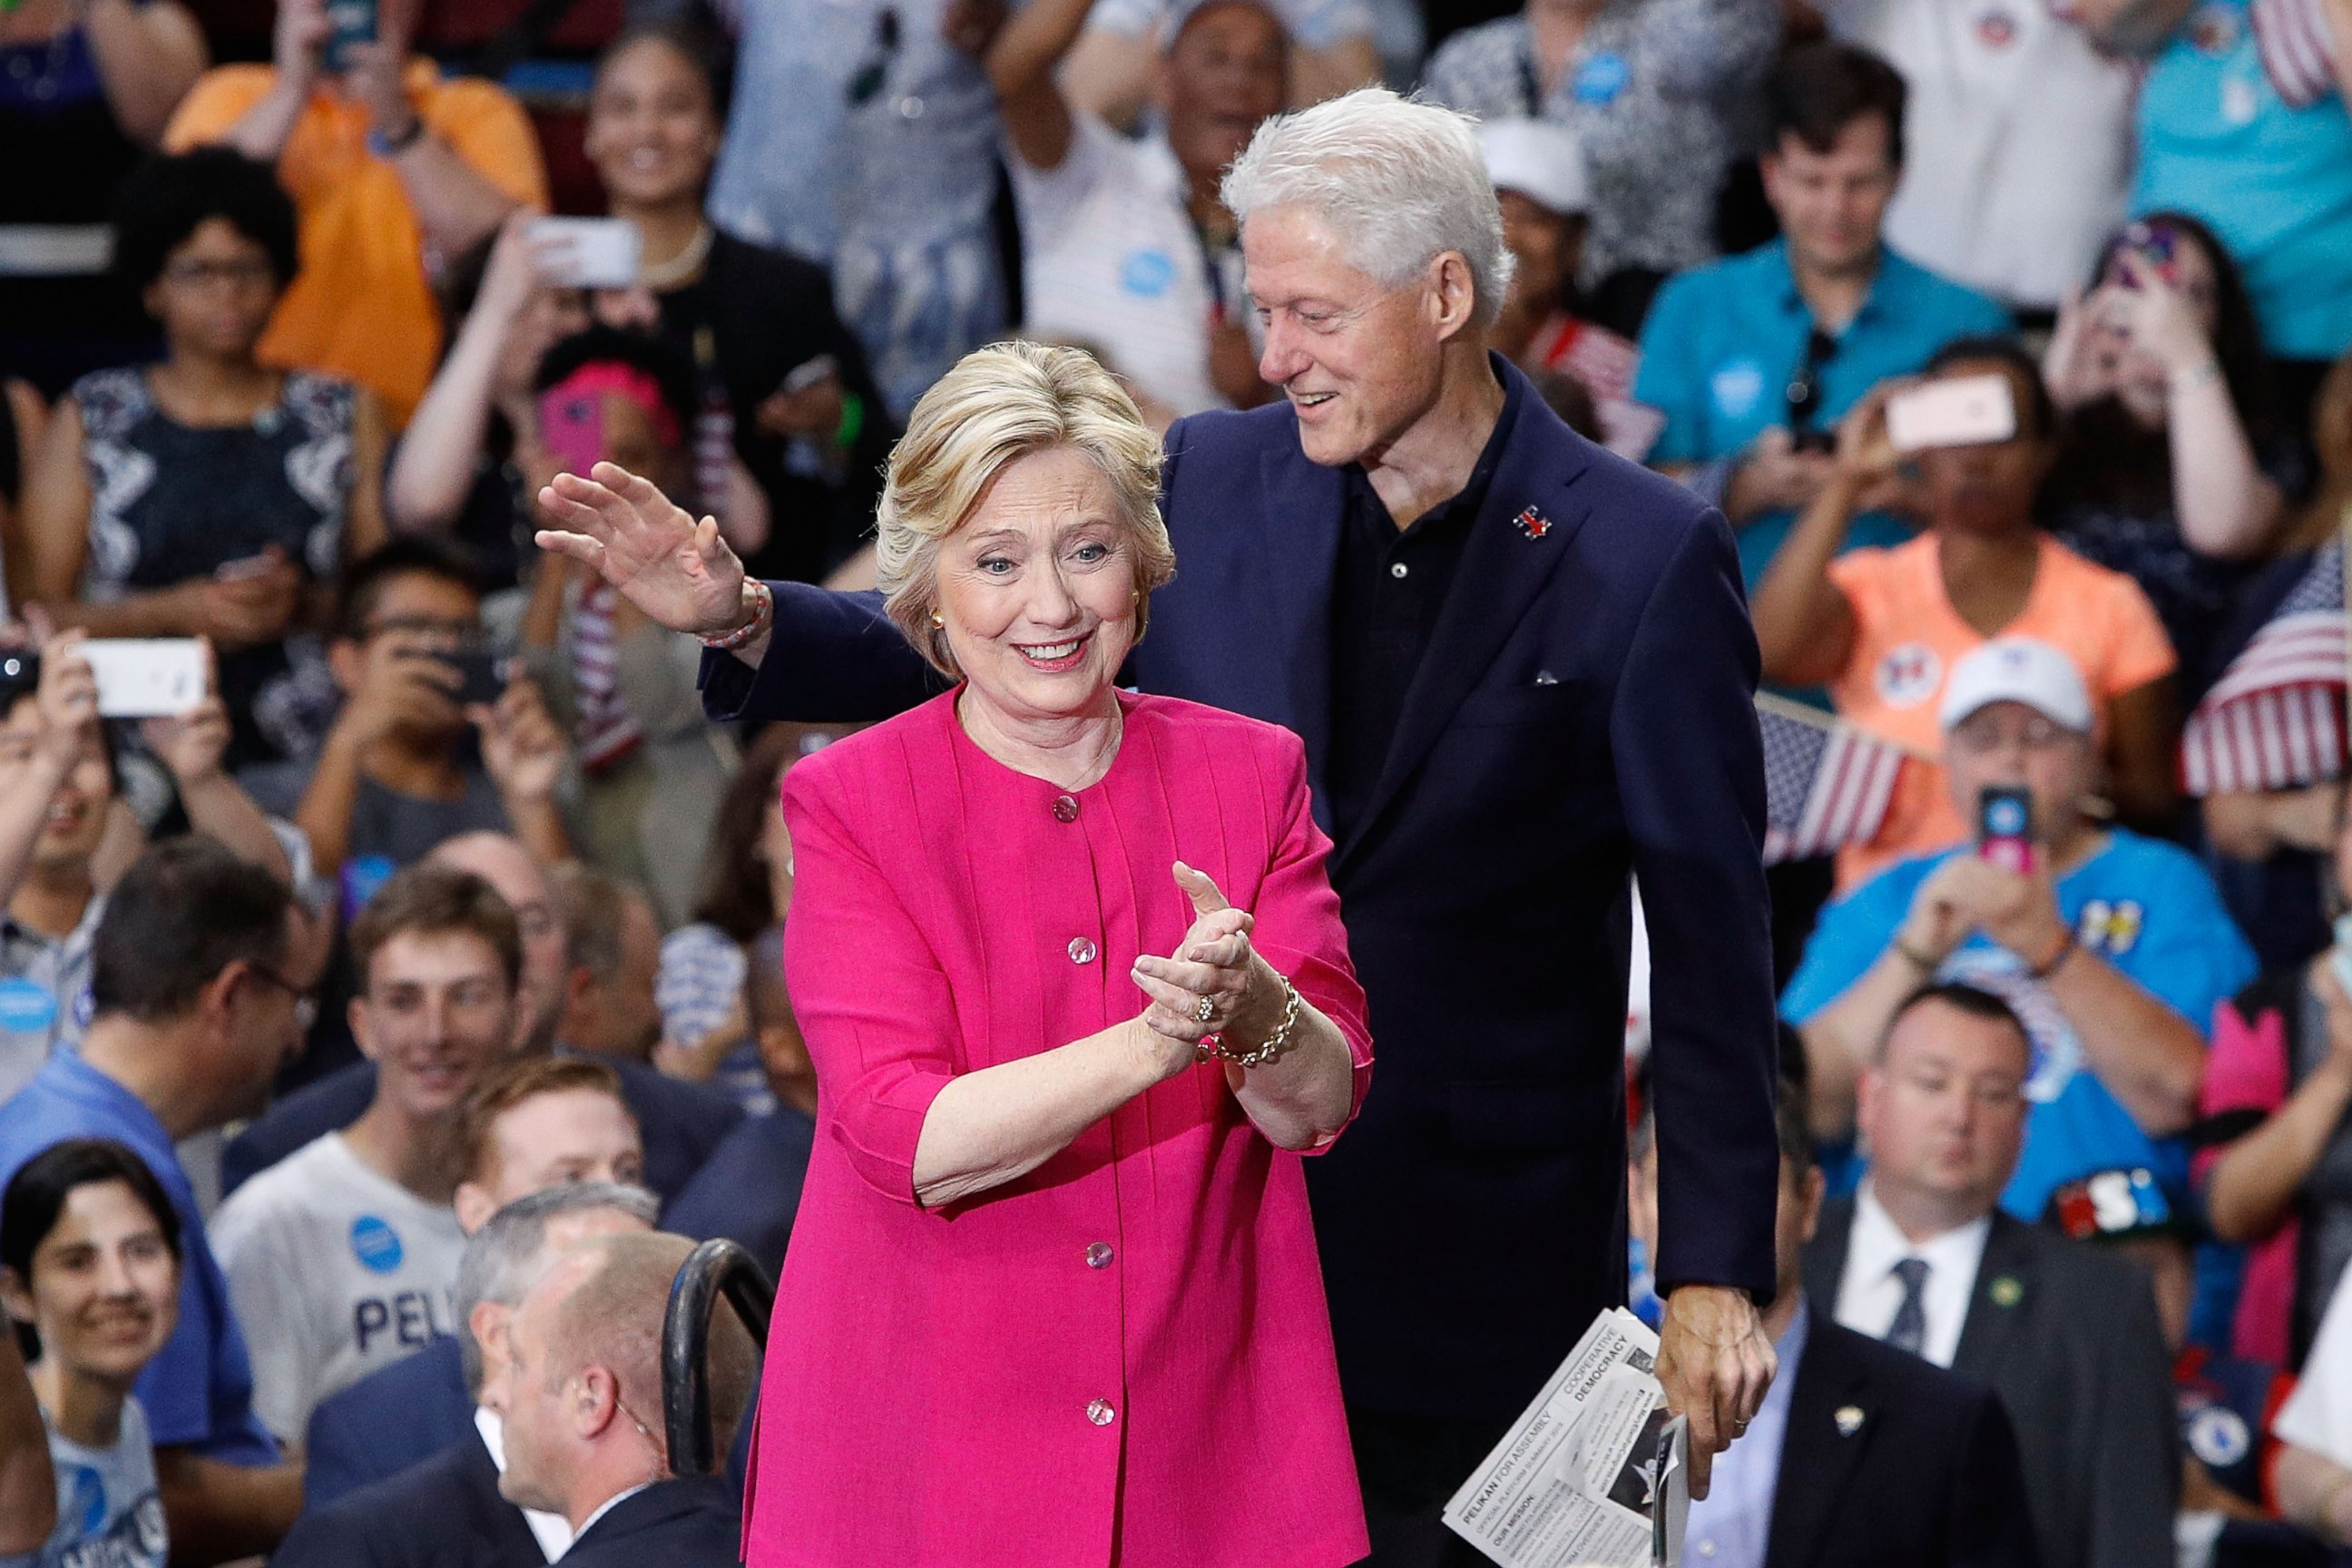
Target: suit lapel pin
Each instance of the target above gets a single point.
(1532, 523)
(1848, 1420)
(2007, 1292)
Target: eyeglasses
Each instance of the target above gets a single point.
(306, 1007)
(2036, 734)
(1805, 386)
(424, 626)
(873, 71)
(251, 273)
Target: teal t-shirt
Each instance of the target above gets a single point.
(2221, 140)
(1724, 341)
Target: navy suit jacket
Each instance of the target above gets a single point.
(444, 1513)
(1891, 1462)
(750, 1189)
(399, 1415)
(1583, 711)
(692, 1524)
(680, 1122)
(2068, 1336)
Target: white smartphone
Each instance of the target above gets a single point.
(593, 252)
(1967, 411)
(146, 678)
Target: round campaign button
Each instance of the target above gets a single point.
(25, 1008)
(375, 1244)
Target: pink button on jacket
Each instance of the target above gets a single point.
(1123, 1357)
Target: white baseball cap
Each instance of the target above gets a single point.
(1541, 161)
(2018, 670)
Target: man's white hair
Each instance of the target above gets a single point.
(1401, 181)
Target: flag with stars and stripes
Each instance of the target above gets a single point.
(1826, 784)
(2275, 719)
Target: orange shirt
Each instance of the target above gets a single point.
(1908, 636)
(360, 307)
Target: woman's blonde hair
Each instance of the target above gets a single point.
(998, 405)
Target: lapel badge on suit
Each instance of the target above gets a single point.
(1532, 523)
(2006, 1291)
(1849, 1419)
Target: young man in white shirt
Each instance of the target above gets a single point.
(2020, 135)
(1130, 251)
(1924, 1259)
(341, 1258)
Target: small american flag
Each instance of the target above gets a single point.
(2275, 719)
(2297, 47)
(1826, 784)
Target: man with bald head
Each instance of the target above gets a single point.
(584, 1434)
(538, 1124)
(682, 1122)
(446, 1511)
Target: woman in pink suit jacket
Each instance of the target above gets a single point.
(1052, 1296)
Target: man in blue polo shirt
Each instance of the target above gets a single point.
(1753, 360)
(2242, 124)
(2113, 949)
(191, 1017)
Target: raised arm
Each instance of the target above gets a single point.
(67, 699)
(1690, 775)
(2255, 1180)
(147, 58)
(1805, 623)
(1021, 65)
(823, 657)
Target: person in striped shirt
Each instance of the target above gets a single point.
(627, 397)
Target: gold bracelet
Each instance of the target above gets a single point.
(1212, 1047)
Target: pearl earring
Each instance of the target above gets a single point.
(939, 620)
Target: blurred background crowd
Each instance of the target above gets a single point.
(443, 932)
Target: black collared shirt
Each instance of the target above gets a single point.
(1388, 590)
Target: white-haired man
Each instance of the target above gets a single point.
(1523, 670)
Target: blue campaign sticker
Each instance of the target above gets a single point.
(25, 1008)
(1736, 388)
(375, 1244)
(1601, 78)
(1147, 273)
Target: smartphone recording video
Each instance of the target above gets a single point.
(1966, 411)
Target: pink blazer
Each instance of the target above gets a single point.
(1123, 1357)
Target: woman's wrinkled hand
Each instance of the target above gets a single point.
(677, 570)
(1215, 962)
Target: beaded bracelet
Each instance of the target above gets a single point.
(1212, 1047)
(764, 610)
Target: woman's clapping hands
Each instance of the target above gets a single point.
(1215, 962)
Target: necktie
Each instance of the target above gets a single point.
(1909, 1330)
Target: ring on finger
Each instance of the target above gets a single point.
(1204, 1010)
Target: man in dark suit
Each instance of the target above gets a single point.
(680, 1122)
(2066, 1334)
(550, 1155)
(1523, 669)
(583, 1404)
(1862, 1457)
(445, 1510)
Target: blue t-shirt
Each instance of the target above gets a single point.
(2146, 907)
(1723, 342)
(2219, 141)
(198, 1392)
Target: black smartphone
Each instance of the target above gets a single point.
(481, 678)
(349, 22)
(1824, 441)
(2005, 828)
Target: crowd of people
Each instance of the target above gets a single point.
(380, 1029)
